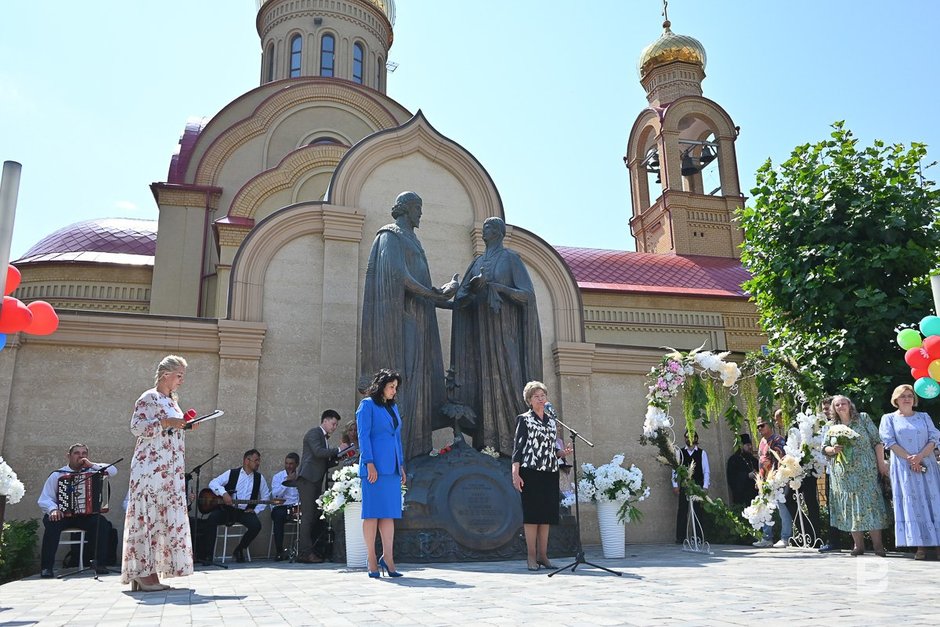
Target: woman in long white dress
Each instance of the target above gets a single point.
(156, 526)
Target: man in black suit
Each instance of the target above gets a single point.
(316, 460)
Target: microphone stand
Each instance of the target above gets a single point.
(195, 529)
(96, 512)
(579, 556)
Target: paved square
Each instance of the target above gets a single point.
(661, 585)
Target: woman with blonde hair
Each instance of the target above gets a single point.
(535, 473)
(915, 478)
(156, 525)
(857, 504)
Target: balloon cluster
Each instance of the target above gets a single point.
(923, 355)
(37, 318)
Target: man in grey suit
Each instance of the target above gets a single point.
(317, 458)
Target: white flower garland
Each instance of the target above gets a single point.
(667, 379)
(803, 453)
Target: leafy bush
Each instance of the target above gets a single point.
(17, 549)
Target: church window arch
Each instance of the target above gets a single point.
(269, 72)
(359, 54)
(296, 53)
(327, 54)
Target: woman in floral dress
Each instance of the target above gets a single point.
(915, 477)
(857, 504)
(156, 527)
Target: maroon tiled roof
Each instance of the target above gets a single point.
(117, 236)
(632, 272)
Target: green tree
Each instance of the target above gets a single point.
(840, 242)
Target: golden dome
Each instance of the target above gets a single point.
(668, 48)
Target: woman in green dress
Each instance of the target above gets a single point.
(857, 504)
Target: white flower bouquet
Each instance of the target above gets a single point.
(346, 488)
(614, 483)
(10, 485)
(842, 435)
(490, 451)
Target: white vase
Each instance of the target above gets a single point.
(613, 532)
(356, 555)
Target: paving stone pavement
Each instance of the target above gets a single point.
(660, 585)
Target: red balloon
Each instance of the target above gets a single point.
(45, 320)
(13, 280)
(14, 316)
(931, 344)
(919, 373)
(917, 358)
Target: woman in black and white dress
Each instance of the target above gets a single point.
(535, 473)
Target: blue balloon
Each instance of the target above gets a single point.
(930, 325)
(926, 388)
(3, 341)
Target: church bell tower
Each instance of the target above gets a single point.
(681, 157)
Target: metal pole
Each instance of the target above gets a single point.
(9, 188)
(935, 288)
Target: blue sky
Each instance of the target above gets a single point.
(94, 96)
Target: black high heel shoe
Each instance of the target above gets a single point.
(384, 566)
(545, 563)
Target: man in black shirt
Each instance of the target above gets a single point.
(742, 471)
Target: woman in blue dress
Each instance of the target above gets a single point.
(915, 477)
(381, 468)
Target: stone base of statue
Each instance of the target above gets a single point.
(461, 506)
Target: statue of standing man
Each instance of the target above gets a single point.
(399, 324)
(496, 343)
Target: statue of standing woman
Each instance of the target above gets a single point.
(496, 343)
(399, 324)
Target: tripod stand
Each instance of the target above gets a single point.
(195, 528)
(579, 556)
(96, 512)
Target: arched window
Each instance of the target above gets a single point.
(358, 54)
(327, 54)
(296, 44)
(379, 66)
(269, 73)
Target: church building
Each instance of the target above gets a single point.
(254, 271)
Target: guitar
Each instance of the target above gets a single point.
(209, 500)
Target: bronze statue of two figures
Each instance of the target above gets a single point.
(496, 343)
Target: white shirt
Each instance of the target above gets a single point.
(48, 499)
(291, 496)
(243, 488)
(705, 471)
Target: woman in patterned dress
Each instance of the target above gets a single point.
(857, 504)
(156, 526)
(535, 473)
(915, 478)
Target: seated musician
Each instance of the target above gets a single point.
(59, 516)
(244, 494)
(288, 492)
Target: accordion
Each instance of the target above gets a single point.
(80, 494)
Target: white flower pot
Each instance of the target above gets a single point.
(613, 532)
(356, 556)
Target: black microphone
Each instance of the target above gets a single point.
(550, 410)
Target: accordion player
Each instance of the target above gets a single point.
(70, 499)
